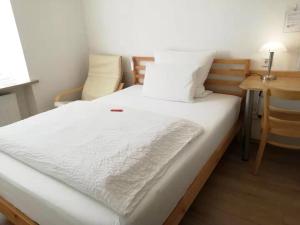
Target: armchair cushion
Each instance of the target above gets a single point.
(104, 76)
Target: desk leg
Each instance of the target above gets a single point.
(247, 124)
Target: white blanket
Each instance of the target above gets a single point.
(114, 157)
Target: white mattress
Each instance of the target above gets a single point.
(50, 202)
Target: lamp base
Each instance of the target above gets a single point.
(268, 77)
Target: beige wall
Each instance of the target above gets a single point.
(235, 28)
(54, 41)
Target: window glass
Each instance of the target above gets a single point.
(13, 69)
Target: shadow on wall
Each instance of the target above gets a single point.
(16, 104)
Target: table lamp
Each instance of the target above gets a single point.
(271, 47)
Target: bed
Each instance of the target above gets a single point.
(28, 195)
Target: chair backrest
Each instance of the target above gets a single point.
(278, 120)
(104, 76)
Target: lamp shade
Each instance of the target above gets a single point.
(273, 47)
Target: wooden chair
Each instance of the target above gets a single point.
(278, 121)
(105, 74)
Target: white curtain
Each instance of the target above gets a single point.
(13, 69)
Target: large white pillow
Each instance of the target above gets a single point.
(203, 59)
(174, 82)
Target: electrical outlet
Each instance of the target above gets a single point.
(265, 63)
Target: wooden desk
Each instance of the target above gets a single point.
(252, 84)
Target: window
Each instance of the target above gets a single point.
(13, 69)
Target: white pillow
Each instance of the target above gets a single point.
(174, 82)
(203, 59)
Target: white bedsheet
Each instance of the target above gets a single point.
(51, 202)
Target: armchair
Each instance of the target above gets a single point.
(103, 78)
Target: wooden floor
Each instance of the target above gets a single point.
(233, 196)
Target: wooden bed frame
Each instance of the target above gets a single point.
(225, 77)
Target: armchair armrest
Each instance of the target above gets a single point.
(67, 93)
(120, 87)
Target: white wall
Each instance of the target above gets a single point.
(54, 41)
(53, 33)
(235, 28)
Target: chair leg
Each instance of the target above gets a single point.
(260, 152)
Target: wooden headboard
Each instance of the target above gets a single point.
(224, 77)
